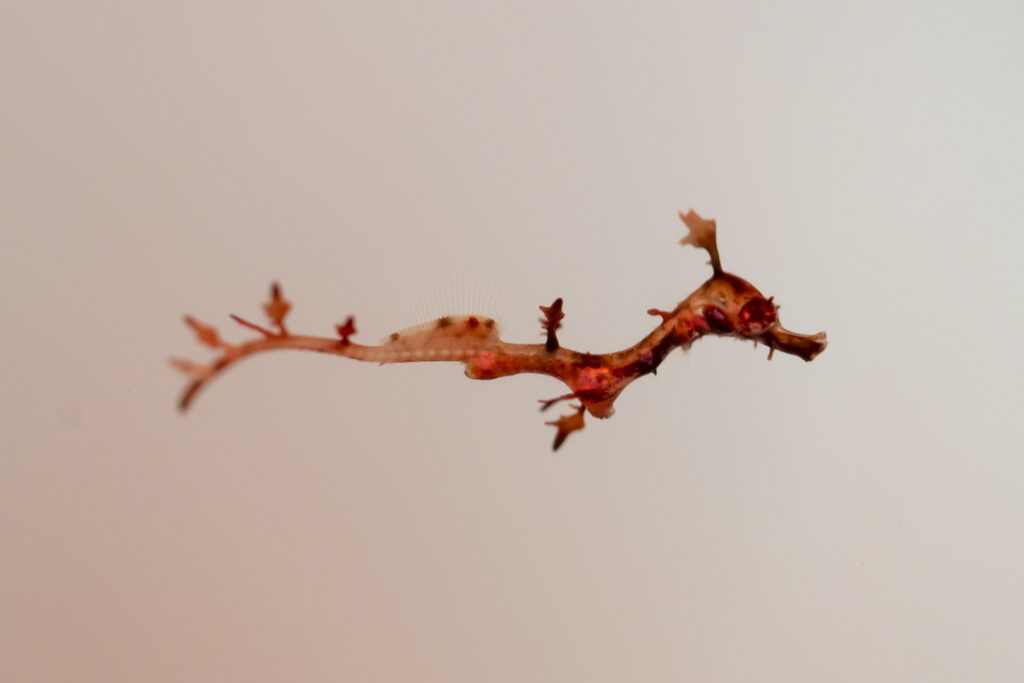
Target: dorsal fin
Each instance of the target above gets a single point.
(462, 331)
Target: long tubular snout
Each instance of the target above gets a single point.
(806, 346)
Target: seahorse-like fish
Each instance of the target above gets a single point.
(725, 305)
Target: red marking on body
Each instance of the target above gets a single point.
(594, 380)
(485, 364)
(698, 322)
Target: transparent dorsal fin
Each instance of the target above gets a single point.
(450, 331)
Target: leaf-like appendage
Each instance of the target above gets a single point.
(566, 425)
(346, 330)
(551, 322)
(703, 236)
(277, 308)
(207, 334)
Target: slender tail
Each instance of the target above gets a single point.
(445, 339)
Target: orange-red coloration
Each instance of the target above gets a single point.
(725, 305)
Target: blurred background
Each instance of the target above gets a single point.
(856, 518)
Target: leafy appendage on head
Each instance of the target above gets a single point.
(703, 236)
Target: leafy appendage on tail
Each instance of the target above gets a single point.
(276, 308)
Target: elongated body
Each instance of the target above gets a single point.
(725, 305)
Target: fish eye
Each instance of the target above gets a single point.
(757, 315)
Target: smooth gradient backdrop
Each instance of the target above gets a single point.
(858, 518)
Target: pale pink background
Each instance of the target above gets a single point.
(859, 518)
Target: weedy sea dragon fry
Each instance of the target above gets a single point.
(725, 306)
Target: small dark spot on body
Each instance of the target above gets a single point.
(394, 336)
(645, 364)
(589, 360)
(489, 323)
(648, 360)
(472, 322)
(444, 322)
(716, 319)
